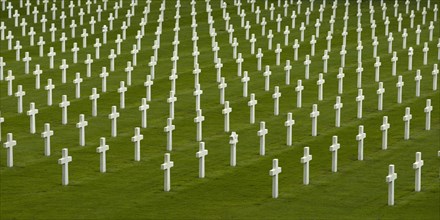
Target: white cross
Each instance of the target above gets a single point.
(46, 134)
(10, 78)
(173, 77)
(77, 81)
(152, 65)
(428, 110)
(320, 84)
(425, 53)
(9, 145)
(51, 56)
(334, 149)
(359, 100)
(134, 52)
(312, 46)
(89, 62)
(360, 139)
(314, 115)
(169, 130)
(64, 161)
(245, 81)
(17, 48)
(118, 42)
(410, 56)
(201, 155)
(31, 113)
(274, 172)
(102, 149)
(112, 56)
(113, 116)
(259, 56)
(276, 96)
(325, 58)
(407, 119)
(289, 123)
(64, 104)
(197, 93)
(384, 128)
(104, 75)
(219, 66)
(166, 167)
(307, 63)
(199, 119)
(94, 98)
(338, 106)
(392, 176)
(252, 103)
(306, 161)
(97, 45)
(171, 100)
(49, 87)
(267, 73)
(418, 78)
(418, 167)
(2, 65)
(143, 108)
(299, 88)
(37, 72)
(399, 86)
(19, 94)
(53, 31)
(121, 90)
(128, 70)
(435, 72)
(2, 119)
(287, 68)
(75, 50)
(262, 133)
(342, 53)
(63, 40)
(82, 130)
(222, 87)
(26, 60)
(239, 62)
(148, 83)
(233, 140)
(136, 139)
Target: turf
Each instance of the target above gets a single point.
(134, 190)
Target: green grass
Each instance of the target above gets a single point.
(134, 190)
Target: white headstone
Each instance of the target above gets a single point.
(169, 130)
(46, 134)
(113, 116)
(64, 161)
(9, 145)
(262, 134)
(360, 139)
(82, 124)
(334, 149)
(274, 172)
(233, 142)
(392, 176)
(306, 161)
(31, 113)
(136, 139)
(201, 155)
(314, 115)
(407, 119)
(166, 167)
(289, 123)
(384, 128)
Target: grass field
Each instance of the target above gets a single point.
(134, 190)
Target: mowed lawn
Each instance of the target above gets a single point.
(134, 190)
